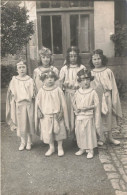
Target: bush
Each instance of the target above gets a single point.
(122, 87)
(7, 72)
(120, 39)
(16, 29)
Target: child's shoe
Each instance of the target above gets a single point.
(100, 143)
(60, 152)
(90, 154)
(80, 152)
(28, 146)
(114, 141)
(22, 147)
(50, 152)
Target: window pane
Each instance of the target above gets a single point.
(74, 30)
(85, 4)
(57, 34)
(79, 28)
(46, 31)
(74, 3)
(55, 4)
(84, 34)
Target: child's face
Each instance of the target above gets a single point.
(49, 81)
(73, 57)
(21, 69)
(85, 83)
(45, 60)
(97, 62)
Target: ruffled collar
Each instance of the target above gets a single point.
(49, 88)
(85, 91)
(99, 69)
(25, 78)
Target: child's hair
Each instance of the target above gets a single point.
(50, 74)
(85, 73)
(76, 50)
(21, 63)
(102, 56)
(45, 51)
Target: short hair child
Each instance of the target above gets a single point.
(87, 110)
(51, 110)
(20, 105)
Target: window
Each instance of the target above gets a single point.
(62, 24)
(79, 36)
(52, 33)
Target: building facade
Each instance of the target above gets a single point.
(61, 24)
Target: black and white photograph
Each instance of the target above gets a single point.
(64, 97)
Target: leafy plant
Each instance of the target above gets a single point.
(120, 39)
(122, 87)
(7, 72)
(16, 29)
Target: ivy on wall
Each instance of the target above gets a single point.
(120, 39)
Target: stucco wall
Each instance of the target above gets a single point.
(32, 48)
(104, 26)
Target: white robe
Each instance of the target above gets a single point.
(87, 123)
(20, 105)
(51, 101)
(104, 83)
(69, 76)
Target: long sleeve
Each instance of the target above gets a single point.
(97, 114)
(64, 108)
(116, 105)
(10, 110)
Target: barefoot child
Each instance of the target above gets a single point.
(87, 110)
(105, 85)
(45, 64)
(52, 110)
(19, 106)
(68, 79)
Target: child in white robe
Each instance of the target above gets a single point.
(45, 64)
(106, 88)
(20, 106)
(51, 110)
(68, 80)
(87, 110)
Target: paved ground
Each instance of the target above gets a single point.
(31, 173)
(114, 158)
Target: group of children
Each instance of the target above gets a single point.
(75, 100)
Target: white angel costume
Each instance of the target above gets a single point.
(68, 78)
(51, 101)
(20, 105)
(38, 72)
(87, 123)
(105, 85)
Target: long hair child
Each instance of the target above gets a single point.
(20, 106)
(68, 79)
(105, 85)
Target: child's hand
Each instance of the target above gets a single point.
(59, 116)
(78, 110)
(68, 132)
(39, 114)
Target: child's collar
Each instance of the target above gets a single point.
(25, 78)
(73, 65)
(49, 88)
(101, 69)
